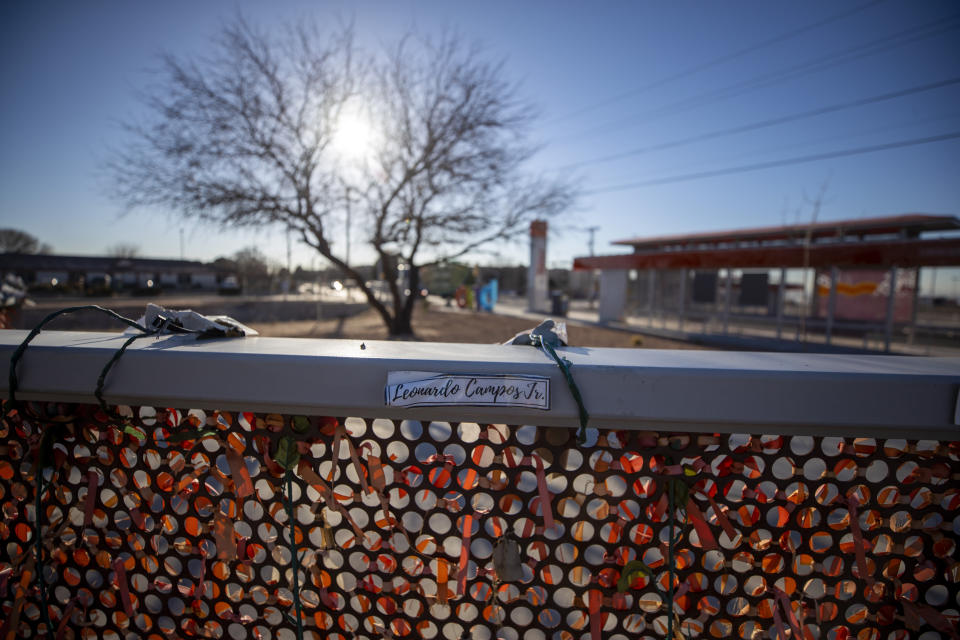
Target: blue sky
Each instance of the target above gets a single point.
(608, 78)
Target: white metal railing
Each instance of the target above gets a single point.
(703, 391)
(400, 521)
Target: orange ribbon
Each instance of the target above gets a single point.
(442, 591)
(464, 554)
(858, 543)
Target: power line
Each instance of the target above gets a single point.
(718, 61)
(873, 47)
(774, 163)
(766, 123)
(814, 141)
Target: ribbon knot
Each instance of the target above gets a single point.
(858, 541)
(447, 459)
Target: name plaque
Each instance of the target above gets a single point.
(426, 389)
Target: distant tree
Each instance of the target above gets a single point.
(16, 241)
(123, 250)
(245, 138)
(250, 266)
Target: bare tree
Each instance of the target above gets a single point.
(244, 138)
(123, 250)
(251, 266)
(16, 241)
(447, 175)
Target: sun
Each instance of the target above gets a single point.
(354, 137)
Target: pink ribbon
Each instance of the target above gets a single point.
(122, 585)
(232, 616)
(242, 483)
(358, 467)
(378, 481)
(335, 450)
(784, 602)
(308, 474)
(858, 544)
(660, 508)
(596, 618)
(545, 505)
(543, 493)
(722, 518)
(90, 502)
(62, 627)
(933, 617)
(485, 433)
(448, 460)
(707, 541)
(647, 441)
(778, 622)
(203, 574)
(327, 599)
(242, 550)
(137, 518)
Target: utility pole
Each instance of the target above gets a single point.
(594, 284)
(592, 231)
(346, 259)
(349, 199)
(289, 280)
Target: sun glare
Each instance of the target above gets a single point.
(354, 137)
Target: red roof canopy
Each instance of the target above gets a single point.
(907, 225)
(843, 243)
(900, 253)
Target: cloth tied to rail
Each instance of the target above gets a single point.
(549, 335)
(190, 322)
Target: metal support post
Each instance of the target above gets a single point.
(891, 302)
(728, 293)
(683, 299)
(914, 304)
(651, 283)
(780, 293)
(832, 302)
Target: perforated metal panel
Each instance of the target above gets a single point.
(170, 538)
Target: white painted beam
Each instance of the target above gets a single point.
(704, 391)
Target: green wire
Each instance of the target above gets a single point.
(41, 587)
(574, 390)
(670, 567)
(294, 553)
(14, 384)
(98, 392)
(15, 358)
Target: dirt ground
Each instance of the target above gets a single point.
(432, 325)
